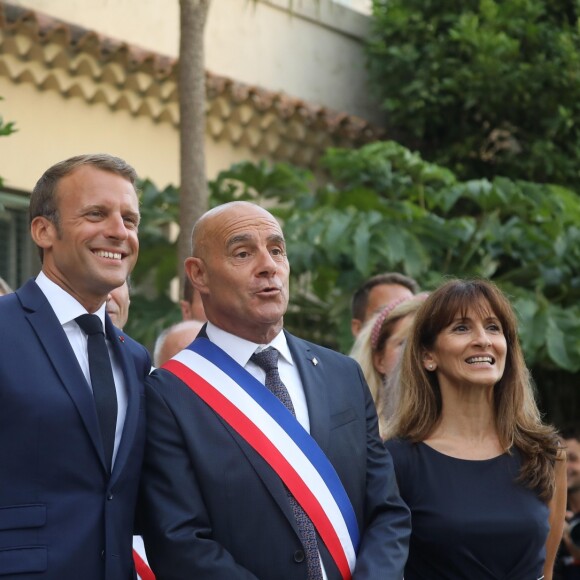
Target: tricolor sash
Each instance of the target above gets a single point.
(140, 560)
(263, 421)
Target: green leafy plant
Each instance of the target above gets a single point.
(152, 309)
(481, 86)
(385, 209)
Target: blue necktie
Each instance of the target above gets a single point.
(268, 361)
(102, 381)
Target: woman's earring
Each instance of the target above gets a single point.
(430, 367)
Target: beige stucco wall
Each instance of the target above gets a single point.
(315, 54)
(54, 125)
(48, 131)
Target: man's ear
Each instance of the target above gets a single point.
(355, 326)
(185, 309)
(43, 232)
(195, 269)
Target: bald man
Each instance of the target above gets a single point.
(174, 339)
(263, 458)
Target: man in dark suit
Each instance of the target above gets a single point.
(219, 501)
(68, 484)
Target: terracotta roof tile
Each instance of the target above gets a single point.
(81, 62)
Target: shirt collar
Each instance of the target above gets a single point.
(241, 349)
(64, 305)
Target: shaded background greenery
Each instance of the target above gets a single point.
(483, 87)
(383, 208)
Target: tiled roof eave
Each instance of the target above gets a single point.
(76, 62)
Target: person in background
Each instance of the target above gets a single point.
(191, 305)
(483, 476)
(568, 559)
(174, 339)
(377, 292)
(263, 455)
(4, 287)
(378, 348)
(118, 302)
(72, 421)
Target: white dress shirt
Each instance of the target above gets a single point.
(241, 350)
(67, 309)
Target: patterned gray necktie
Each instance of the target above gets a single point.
(268, 361)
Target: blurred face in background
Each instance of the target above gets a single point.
(383, 294)
(573, 464)
(379, 296)
(118, 302)
(385, 359)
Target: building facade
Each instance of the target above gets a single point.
(79, 77)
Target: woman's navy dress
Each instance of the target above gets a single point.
(470, 519)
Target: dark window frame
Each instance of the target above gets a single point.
(18, 254)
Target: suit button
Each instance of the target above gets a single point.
(110, 497)
(299, 556)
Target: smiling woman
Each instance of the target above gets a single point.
(470, 351)
(484, 478)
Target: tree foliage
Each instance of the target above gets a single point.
(152, 309)
(481, 86)
(383, 208)
(6, 128)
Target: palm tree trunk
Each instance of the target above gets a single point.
(192, 103)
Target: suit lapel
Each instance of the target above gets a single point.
(316, 384)
(49, 331)
(133, 395)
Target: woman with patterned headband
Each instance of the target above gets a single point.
(378, 347)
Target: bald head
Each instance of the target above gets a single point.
(174, 339)
(240, 268)
(202, 229)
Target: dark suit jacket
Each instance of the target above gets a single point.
(61, 516)
(213, 509)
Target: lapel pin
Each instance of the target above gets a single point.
(314, 361)
(122, 338)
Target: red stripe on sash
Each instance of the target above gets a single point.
(143, 571)
(260, 442)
